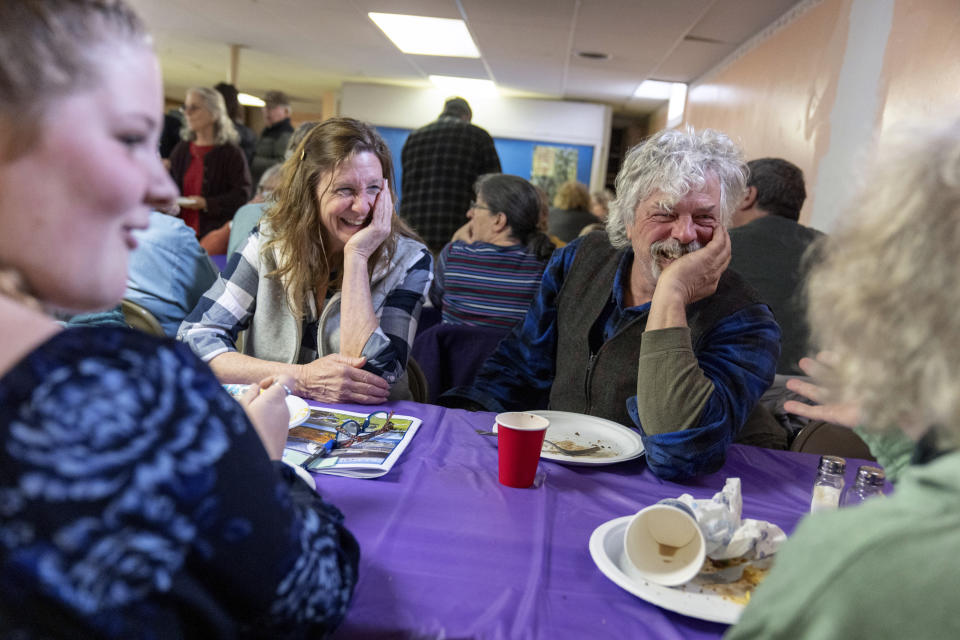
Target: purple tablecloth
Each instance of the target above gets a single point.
(448, 552)
(219, 261)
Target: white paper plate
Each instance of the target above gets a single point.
(618, 443)
(606, 549)
(298, 407)
(299, 410)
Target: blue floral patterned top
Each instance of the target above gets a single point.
(136, 500)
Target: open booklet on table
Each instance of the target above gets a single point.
(344, 443)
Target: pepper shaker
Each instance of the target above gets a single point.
(869, 483)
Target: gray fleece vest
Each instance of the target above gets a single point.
(599, 384)
(274, 332)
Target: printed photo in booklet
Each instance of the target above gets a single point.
(347, 443)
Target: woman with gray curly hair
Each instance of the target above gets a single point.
(884, 303)
(209, 168)
(137, 498)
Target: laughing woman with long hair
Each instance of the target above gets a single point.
(330, 287)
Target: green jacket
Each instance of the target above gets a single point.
(885, 569)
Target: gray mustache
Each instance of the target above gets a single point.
(672, 249)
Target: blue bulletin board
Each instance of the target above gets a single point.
(516, 156)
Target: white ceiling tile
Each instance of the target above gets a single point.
(530, 13)
(617, 85)
(734, 21)
(459, 67)
(529, 75)
(308, 47)
(691, 59)
(429, 8)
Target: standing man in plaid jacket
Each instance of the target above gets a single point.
(441, 162)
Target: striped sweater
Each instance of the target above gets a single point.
(482, 284)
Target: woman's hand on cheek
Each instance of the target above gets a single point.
(368, 239)
(463, 234)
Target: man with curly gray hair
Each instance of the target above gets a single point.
(649, 308)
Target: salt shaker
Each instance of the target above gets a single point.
(829, 483)
(869, 483)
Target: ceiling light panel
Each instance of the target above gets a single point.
(250, 101)
(654, 89)
(419, 35)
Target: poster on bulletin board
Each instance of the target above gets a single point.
(552, 166)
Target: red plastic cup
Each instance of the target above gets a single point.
(519, 440)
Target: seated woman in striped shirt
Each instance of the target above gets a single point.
(330, 287)
(489, 273)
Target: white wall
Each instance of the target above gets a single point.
(520, 118)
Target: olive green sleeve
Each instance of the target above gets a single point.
(671, 389)
(891, 447)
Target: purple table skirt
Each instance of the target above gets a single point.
(448, 552)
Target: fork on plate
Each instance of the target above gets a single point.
(564, 450)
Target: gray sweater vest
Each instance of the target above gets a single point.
(599, 384)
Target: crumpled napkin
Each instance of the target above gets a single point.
(725, 534)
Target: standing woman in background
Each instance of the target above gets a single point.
(137, 498)
(209, 168)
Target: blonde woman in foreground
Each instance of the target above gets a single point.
(137, 499)
(884, 302)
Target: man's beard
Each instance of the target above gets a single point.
(667, 250)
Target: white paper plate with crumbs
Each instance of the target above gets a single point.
(716, 603)
(616, 442)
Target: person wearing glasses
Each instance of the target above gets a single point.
(209, 168)
(490, 272)
(330, 286)
(137, 498)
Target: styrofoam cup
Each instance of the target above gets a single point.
(663, 544)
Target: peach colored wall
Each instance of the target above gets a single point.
(922, 62)
(658, 119)
(328, 108)
(781, 97)
(776, 99)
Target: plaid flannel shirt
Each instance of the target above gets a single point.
(441, 162)
(227, 307)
